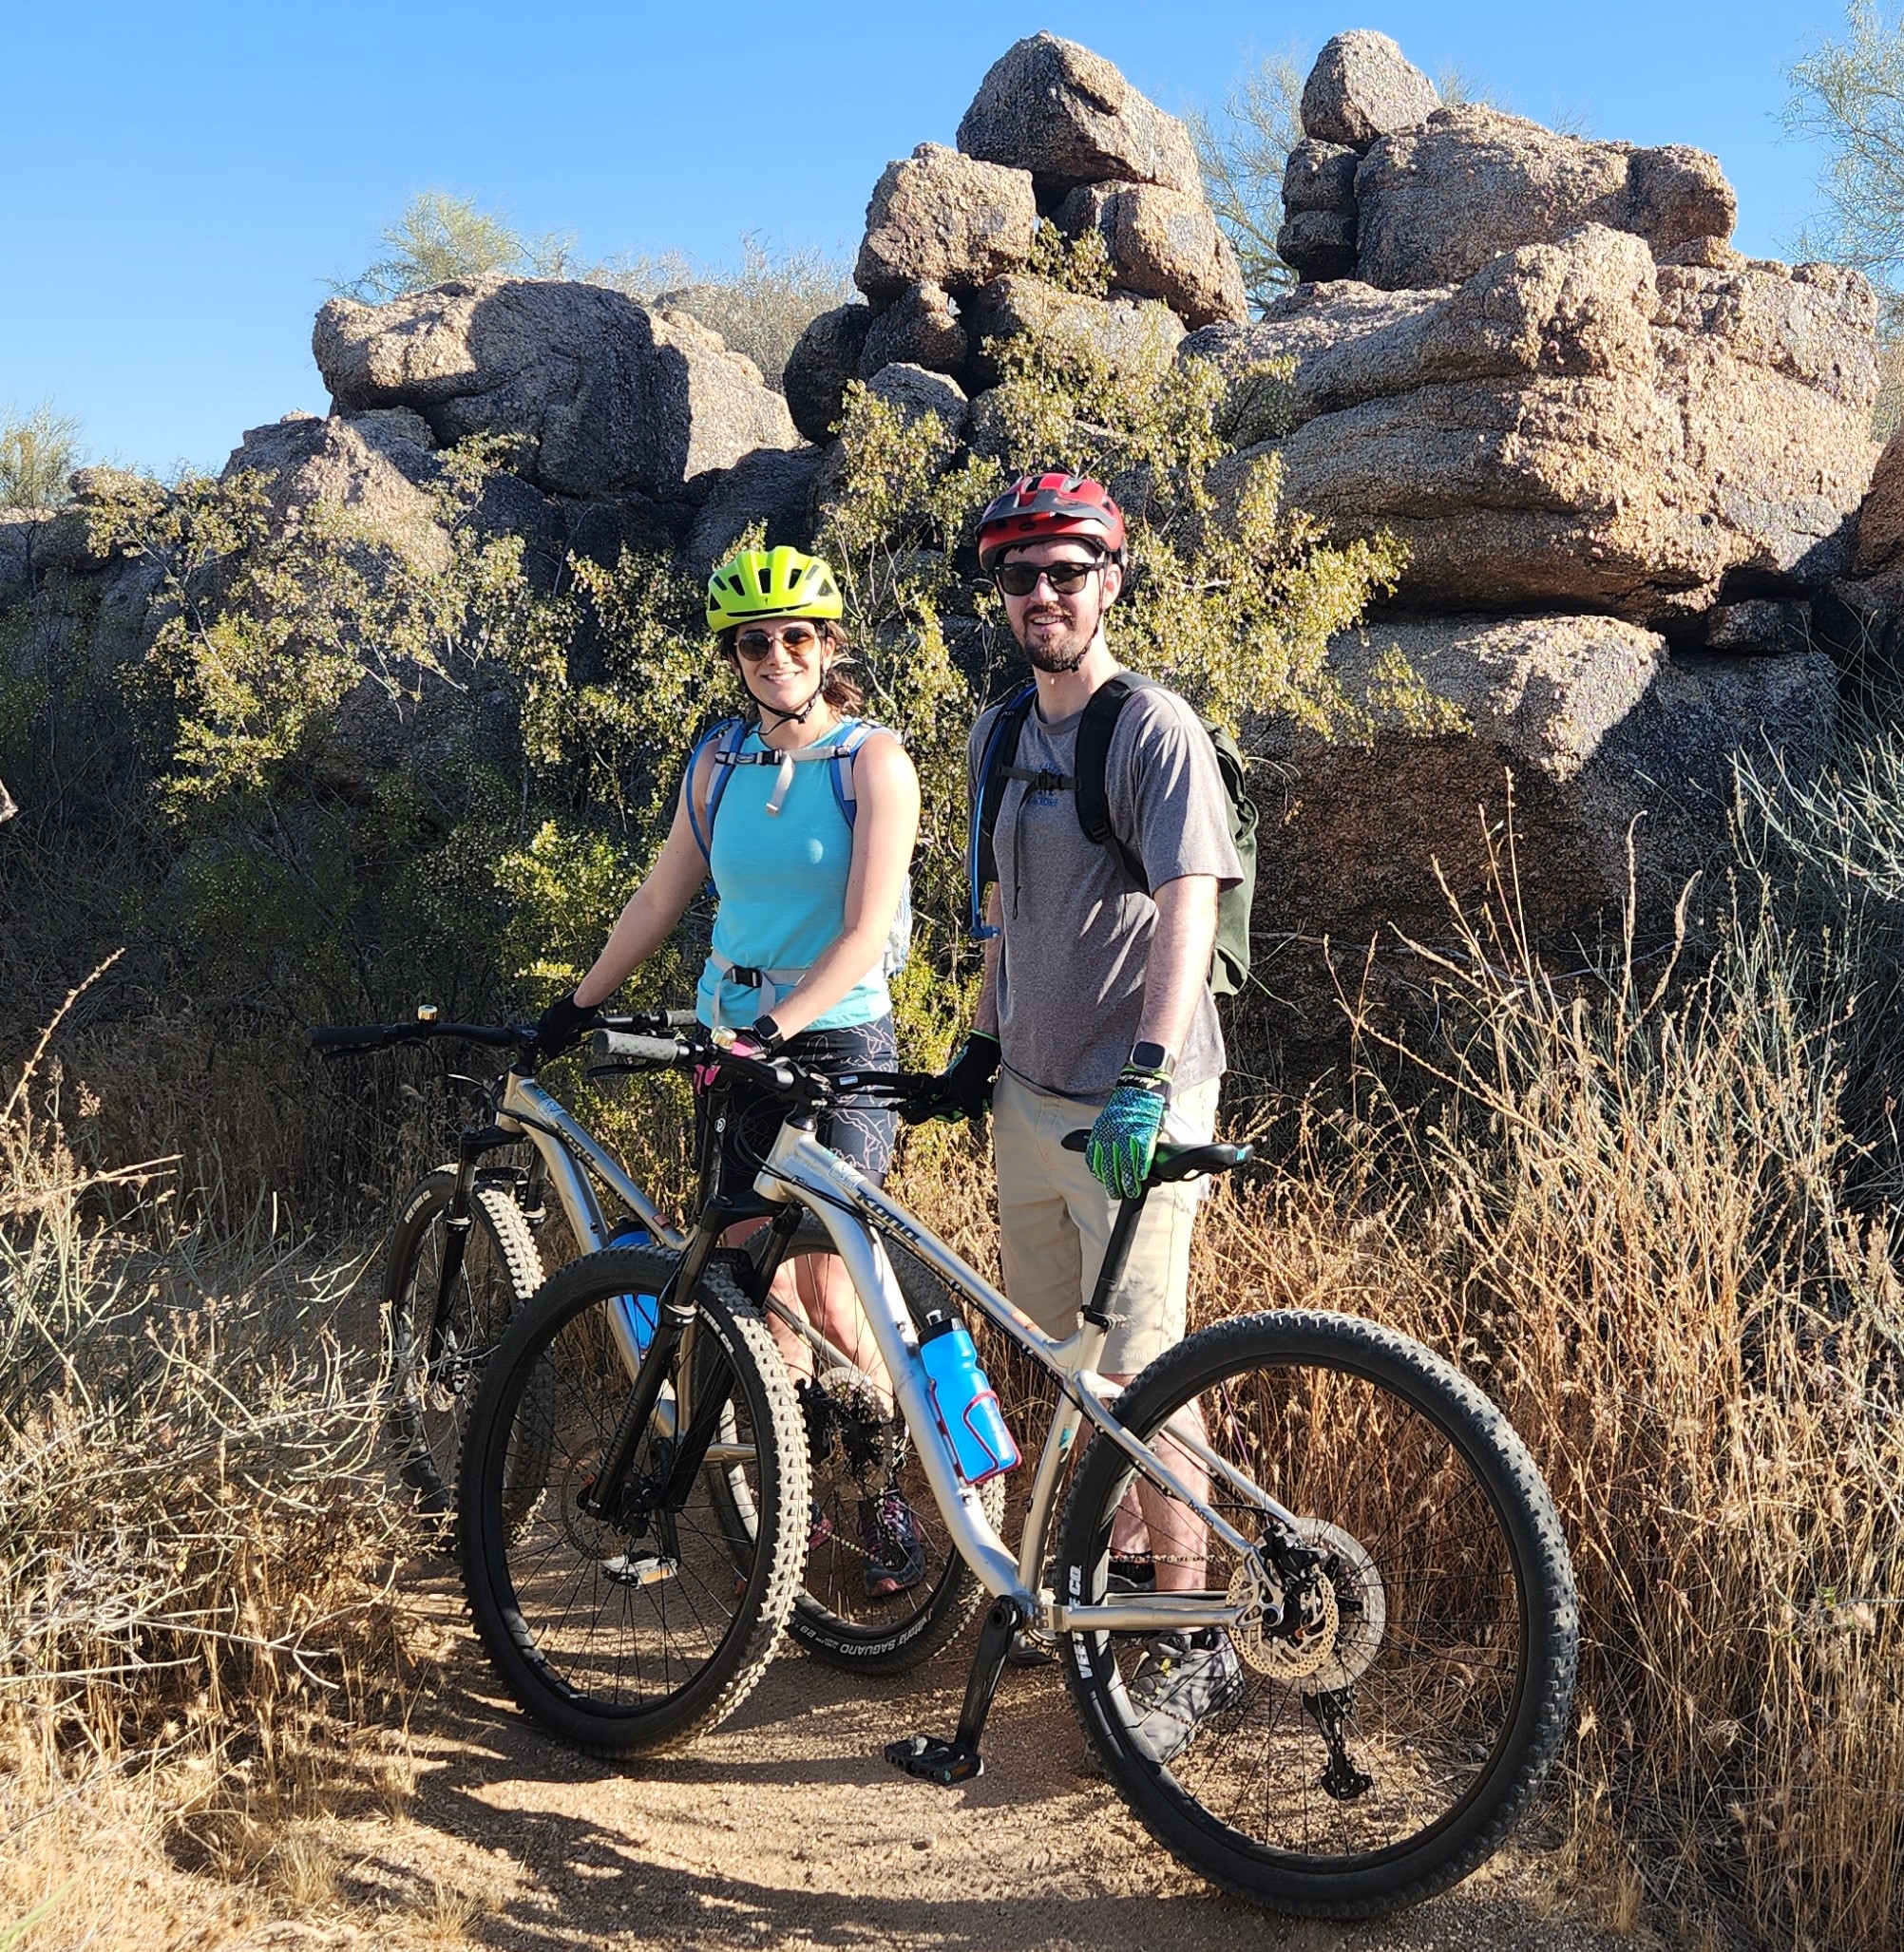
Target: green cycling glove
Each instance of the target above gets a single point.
(1124, 1140)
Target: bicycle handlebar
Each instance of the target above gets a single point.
(364, 1040)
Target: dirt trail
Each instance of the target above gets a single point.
(786, 1828)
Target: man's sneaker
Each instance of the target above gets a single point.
(819, 1525)
(1181, 1679)
(895, 1553)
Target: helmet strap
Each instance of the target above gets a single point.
(773, 712)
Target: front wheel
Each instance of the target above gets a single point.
(1379, 1739)
(636, 1630)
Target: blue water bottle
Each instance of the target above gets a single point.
(640, 1314)
(964, 1403)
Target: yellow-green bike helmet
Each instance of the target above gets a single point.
(754, 583)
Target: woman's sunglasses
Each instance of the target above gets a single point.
(797, 640)
(1020, 579)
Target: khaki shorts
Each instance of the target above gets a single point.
(1054, 1222)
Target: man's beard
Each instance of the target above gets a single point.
(1061, 654)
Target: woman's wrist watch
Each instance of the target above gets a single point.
(767, 1034)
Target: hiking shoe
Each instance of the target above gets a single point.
(1181, 1679)
(895, 1553)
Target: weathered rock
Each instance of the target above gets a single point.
(1880, 522)
(920, 328)
(600, 395)
(824, 358)
(771, 487)
(1574, 426)
(1764, 626)
(941, 218)
(1066, 115)
(1350, 343)
(916, 392)
(1361, 87)
(1125, 331)
(1599, 729)
(1437, 202)
(378, 466)
(1317, 245)
(1162, 244)
(379, 472)
(1320, 175)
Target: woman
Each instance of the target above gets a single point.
(809, 839)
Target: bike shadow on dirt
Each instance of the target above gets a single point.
(787, 1826)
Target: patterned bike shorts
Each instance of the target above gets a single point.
(754, 1118)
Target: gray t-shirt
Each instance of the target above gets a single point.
(1077, 932)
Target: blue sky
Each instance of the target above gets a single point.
(183, 179)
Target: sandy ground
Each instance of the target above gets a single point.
(786, 1828)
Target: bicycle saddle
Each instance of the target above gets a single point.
(1176, 1161)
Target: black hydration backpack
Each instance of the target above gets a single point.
(1230, 967)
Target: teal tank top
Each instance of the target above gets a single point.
(782, 883)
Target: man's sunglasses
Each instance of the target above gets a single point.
(1020, 579)
(796, 638)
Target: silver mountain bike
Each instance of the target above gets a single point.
(1328, 1501)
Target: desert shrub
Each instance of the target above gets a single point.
(438, 236)
(759, 306)
(38, 450)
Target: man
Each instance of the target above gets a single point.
(1097, 1009)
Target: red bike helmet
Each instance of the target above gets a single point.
(1042, 507)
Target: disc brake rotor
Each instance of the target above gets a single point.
(859, 1448)
(1336, 1648)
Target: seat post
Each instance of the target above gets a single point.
(1116, 1257)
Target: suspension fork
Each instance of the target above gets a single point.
(470, 1147)
(675, 1317)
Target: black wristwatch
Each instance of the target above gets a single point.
(768, 1035)
(1152, 1060)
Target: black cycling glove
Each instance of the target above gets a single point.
(964, 1089)
(563, 1025)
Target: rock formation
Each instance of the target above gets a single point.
(1576, 425)
(1053, 131)
(601, 395)
(1627, 464)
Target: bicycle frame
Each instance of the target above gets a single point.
(855, 1213)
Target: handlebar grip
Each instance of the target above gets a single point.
(341, 1038)
(625, 1047)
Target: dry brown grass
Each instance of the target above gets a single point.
(197, 1585)
(1621, 1202)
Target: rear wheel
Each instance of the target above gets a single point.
(1379, 1739)
(438, 1343)
(628, 1634)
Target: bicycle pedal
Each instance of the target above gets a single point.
(945, 1763)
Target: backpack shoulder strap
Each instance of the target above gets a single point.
(844, 752)
(726, 738)
(1002, 748)
(1091, 761)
